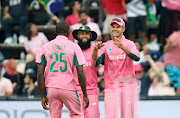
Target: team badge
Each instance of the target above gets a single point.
(109, 49)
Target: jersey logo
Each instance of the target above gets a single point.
(109, 49)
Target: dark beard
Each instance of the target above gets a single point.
(84, 46)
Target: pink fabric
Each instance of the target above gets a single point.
(93, 109)
(113, 6)
(172, 57)
(117, 63)
(58, 97)
(172, 4)
(138, 67)
(90, 72)
(93, 26)
(65, 51)
(125, 98)
(35, 43)
(72, 19)
(5, 86)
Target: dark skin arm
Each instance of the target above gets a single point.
(41, 84)
(82, 82)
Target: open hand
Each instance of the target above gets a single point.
(86, 100)
(45, 103)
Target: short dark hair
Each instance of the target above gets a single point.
(32, 76)
(62, 28)
(83, 11)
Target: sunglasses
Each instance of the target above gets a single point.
(116, 19)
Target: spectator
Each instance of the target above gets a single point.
(75, 8)
(172, 57)
(170, 16)
(38, 15)
(84, 21)
(152, 47)
(29, 80)
(139, 47)
(6, 88)
(144, 79)
(14, 13)
(34, 39)
(74, 18)
(136, 13)
(112, 9)
(15, 77)
(160, 81)
(30, 63)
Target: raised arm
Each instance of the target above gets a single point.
(119, 44)
(96, 48)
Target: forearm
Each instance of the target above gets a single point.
(131, 55)
(168, 46)
(82, 82)
(95, 54)
(41, 84)
(153, 65)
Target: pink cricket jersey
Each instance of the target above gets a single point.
(117, 64)
(59, 56)
(90, 72)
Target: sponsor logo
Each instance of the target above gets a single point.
(87, 64)
(117, 57)
(109, 49)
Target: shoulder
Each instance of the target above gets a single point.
(68, 17)
(92, 24)
(41, 34)
(129, 42)
(173, 35)
(6, 80)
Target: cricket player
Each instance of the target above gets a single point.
(58, 58)
(120, 84)
(84, 35)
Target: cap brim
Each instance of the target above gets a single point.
(117, 23)
(75, 32)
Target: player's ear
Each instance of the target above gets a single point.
(124, 29)
(68, 33)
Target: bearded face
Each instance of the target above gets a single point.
(84, 41)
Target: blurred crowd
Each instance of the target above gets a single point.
(154, 26)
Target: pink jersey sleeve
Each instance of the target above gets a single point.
(79, 57)
(40, 58)
(133, 49)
